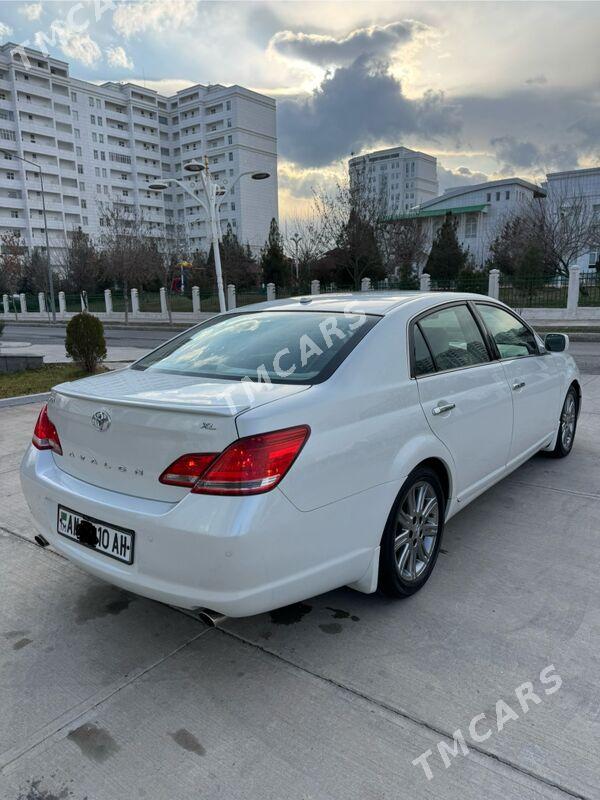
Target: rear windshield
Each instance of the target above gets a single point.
(275, 346)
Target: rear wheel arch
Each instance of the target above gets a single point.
(443, 473)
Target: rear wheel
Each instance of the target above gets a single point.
(567, 425)
(413, 535)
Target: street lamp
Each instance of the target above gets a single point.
(48, 265)
(296, 239)
(210, 203)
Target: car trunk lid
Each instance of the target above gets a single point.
(120, 430)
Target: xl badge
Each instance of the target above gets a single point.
(101, 420)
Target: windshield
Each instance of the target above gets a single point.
(275, 346)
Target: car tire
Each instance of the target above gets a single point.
(567, 425)
(413, 534)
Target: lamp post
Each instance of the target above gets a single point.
(48, 265)
(296, 239)
(213, 190)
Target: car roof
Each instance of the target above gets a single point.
(380, 303)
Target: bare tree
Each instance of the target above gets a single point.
(12, 255)
(404, 243)
(564, 226)
(350, 223)
(125, 245)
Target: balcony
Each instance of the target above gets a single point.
(44, 129)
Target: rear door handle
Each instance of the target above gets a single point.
(441, 407)
(518, 385)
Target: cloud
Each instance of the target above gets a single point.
(537, 80)
(32, 11)
(74, 44)
(376, 40)
(515, 155)
(449, 179)
(5, 30)
(158, 16)
(355, 107)
(117, 57)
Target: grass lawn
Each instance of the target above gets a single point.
(33, 381)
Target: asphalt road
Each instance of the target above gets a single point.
(108, 696)
(587, 354)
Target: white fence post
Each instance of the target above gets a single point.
(5, 304)
(42, 302)
(23, 303)
(163, 302)
(494, 283)
(196, 299)
(108, 302)
(271, 294)
(365, 285)
(425, 282)
(573, 293)
(135, 303)
(230, 296)
(83, 301)
(315, 287)
(62, 305)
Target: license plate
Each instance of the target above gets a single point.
(109, 540)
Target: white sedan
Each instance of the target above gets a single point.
(289, 448)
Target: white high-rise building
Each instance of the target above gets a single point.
(102, 144)
(399, 177)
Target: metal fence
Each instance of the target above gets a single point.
(589, 289)
(534, 292)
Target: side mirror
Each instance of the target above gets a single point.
(556, 342)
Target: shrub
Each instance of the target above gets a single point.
(85, 342)
(1, 327)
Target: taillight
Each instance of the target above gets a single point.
(254, 464)
(187, 469)
(248, 466)
(45, 435)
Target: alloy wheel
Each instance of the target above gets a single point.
(567, 421)
(417, 528)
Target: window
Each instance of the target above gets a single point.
(93, 119)
(228, 105)
(230, 139)
(77, 133)
(422, 357)
(507, 195)
(104, 175)
(98, 103)
(84, 203)
(91, 101)
(81, 186)
(10, 176)
(453, 338)
(84, 221)
(489, 197)
(470, 226)
(94, 136)
(96, 155)
(313, 344)
(512, 338)
(76, 115)
(78, 151)
(80, 169)
(231, 156)
(101, 138)
(14, 214)
(100, 121)
(74, 96)
(97, 171)
(497, 196)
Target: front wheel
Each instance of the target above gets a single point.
(567, 425)
(413, 535)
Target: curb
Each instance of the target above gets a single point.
(23, 400)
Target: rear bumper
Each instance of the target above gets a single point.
(237, 555)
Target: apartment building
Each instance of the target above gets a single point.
(398, 177)
(99, 145)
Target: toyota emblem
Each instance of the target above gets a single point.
(101, 420)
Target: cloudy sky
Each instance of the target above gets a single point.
(491, 89)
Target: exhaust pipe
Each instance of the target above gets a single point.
(39, 539)
(209, 617)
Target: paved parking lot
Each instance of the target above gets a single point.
(106, 696)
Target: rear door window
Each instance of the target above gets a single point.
(454, 338)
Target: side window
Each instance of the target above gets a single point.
(512, 338)
(423, 361)
(454, 338)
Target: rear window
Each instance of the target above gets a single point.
(275, 346)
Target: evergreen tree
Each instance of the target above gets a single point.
(275, 265)
(237, 262)
(357, 254)
(447, 258)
